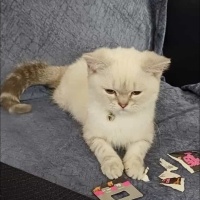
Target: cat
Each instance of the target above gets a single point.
(112, 92)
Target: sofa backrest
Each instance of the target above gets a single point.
(59, 31)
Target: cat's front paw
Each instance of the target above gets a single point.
(134, 168)
(113, 168)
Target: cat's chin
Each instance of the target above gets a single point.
(127, 111)
(122, 112)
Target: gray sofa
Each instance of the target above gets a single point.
(47, 142)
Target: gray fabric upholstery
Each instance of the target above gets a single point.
(47, 142)
(59, 31)
(195, 88)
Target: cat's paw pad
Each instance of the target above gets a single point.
(134, 168)
(113, 168)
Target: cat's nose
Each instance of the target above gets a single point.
(123, 105)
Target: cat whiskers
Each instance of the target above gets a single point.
(135, 107)
(112, 106)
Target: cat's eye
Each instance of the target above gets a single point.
(135, 92)
(109, 91)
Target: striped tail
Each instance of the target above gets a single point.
(24, 76)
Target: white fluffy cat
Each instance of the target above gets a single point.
(112, 93)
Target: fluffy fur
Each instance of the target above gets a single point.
(120, 82)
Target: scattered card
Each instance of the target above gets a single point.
(188, 159)
(171, 179)
(116, 189)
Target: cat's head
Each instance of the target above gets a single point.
(124, 79)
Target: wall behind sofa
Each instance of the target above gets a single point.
(182, 42)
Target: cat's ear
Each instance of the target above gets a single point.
(154, 63)
(94, 64)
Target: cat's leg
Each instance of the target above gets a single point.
(136, 152)
(134, 158)
(111, 163)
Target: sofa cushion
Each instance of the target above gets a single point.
(48, 143)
